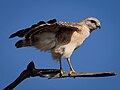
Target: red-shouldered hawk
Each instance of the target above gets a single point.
(60, 38)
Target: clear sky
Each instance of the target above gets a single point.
(99, 53)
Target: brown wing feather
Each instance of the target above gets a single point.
(23, 43)
(41, 27)
(51, 26)
(69, 25)
(24, 32)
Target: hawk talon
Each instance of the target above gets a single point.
(71, 72)
(61, 73)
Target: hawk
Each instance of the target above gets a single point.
(59, 38)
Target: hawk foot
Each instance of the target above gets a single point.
(71, 71)
(61, 73)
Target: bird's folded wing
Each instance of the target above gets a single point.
(51, 25)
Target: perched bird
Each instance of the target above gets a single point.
(59, 38)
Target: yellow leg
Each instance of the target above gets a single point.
(61, 70)
(70, 65)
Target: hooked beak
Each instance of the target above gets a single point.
(98, 25)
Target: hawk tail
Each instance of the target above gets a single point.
(23, 43)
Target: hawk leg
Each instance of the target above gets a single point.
(61, 70)
(70, 65)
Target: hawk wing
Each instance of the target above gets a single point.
(45, 32)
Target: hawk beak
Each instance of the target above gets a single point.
(98, 25)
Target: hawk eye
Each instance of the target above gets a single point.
(92, 21)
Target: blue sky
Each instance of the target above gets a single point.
(100, 52)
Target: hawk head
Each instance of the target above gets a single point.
(92, 23)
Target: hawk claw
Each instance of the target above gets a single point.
(61, 73)
(71, 72)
